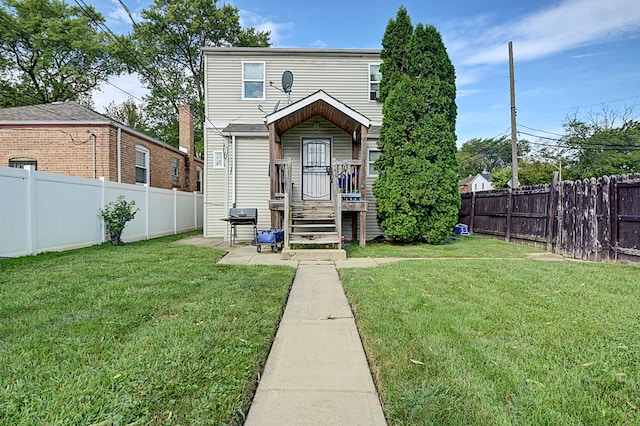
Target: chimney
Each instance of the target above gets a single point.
(187, 145)
(185, 118)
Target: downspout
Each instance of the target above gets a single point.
(95, 164)
(119, 154)
(233, 171)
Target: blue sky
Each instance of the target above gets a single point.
(570, 55)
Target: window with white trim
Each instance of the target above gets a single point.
(373, 156)
(176, 172)
(142, 165)
(198, 179)
(218, 160)
(374, 81)
(253, 80)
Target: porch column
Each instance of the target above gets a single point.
(275, 151)
(363, 183)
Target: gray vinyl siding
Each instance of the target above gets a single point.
(292, 146)
(215, 205)
(252, 182)
(373, 227)
(343, 76)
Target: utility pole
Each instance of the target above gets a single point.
(515, 183)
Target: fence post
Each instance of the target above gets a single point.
(473, 211)
(32, 198)
(103, 200)
(614, 216)
(606, 219)
(195, 210)
(551, 210)
(175, 211)
(146, 212)
(509, 211)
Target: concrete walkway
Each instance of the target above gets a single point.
(317, 372)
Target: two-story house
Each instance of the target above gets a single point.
(293, 133)
(68, 138)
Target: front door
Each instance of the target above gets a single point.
(316, 169)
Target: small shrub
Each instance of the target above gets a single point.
(116, 214)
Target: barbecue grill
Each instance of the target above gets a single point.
(242, 217)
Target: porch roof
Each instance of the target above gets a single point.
(322, 104)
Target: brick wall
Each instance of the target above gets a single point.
(69, 150)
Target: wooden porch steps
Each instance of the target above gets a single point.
(313, 223)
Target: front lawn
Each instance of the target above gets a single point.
(501, 342)
(468, 247)
(147, 333)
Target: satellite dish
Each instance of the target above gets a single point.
(287, 81)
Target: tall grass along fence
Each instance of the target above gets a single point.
(48, 212)
(592, 219)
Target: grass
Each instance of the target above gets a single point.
(145, 333)
(462, 247)
(501, 342)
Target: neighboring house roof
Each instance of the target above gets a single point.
(66, 113)
(466, 181)
(315, 104)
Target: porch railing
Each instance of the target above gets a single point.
(348, 178)
(283, 181)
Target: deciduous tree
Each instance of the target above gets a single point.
(164, 49)
(51, 52)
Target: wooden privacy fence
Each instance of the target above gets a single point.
(592, 219)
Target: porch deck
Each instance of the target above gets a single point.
(319, 222)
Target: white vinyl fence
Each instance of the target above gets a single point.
(47, 212)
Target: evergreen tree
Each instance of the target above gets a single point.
(395, 51)
(416, 190)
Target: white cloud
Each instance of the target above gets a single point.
(278, 30)
(319, 44)
(121, 88)
(566, 25)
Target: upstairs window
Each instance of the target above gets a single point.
(176, 172)
(142, 165)
(253, 80)
(374, 81)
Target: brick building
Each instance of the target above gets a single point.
(69, 139)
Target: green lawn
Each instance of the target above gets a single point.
(501, 342)
(462, 247)
(146, 333)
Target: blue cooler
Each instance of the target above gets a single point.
(461, 229)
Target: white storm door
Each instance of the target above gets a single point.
(316, 168)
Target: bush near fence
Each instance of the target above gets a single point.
(591, 219)
(50, 212)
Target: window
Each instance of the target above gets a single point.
(373, 156)
(176, 172)
(253, 80)
(198, 179)
(374, 81)
(142, 165)
(218, 160)
(19, 163)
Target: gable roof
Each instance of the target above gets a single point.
(466, 181)
(322, 104)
